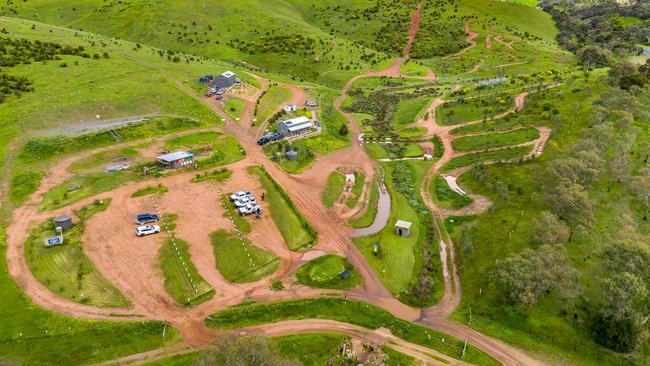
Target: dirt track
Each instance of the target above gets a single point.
(133, 268)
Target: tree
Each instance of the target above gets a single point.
(529, 275)
(623, 120)
(592, 56)
(234, 350)
(640, 185)
(617, 169)
(343, 131)
(571, 203)
(549, 230)
(625, 74)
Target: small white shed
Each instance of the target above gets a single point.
(403, 228)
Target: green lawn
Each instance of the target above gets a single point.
(182, 280)
(157, 189)
(66, 270)
(408, 110)
(446, 197)
(348, 311)
(219, 175)
(23, 184)
(177, 360)
(488, 141)
(357, 190)
(311, 349)
(333, 189)
(234, 107)
(413, 69)
(239, 261)
(273, 99)
(411, 132)
(325, 272)
(469, 159)
(193, 140)
(455, 112)
(296, 231)
(396, 358)
(368, 217)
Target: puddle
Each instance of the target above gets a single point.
(383, 213)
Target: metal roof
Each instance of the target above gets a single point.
(228, 74)
(298, 123)
(403, 224)
(175, 156)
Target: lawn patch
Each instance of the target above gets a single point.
(192, 140)
(488, 141)
(219, 175)
(66, 270)
(497, 155)
(333, 189)
(157, 189)
(234, 107)
(239, 261)
(23, 184)
(182, 281)
(270, 101)
(357, 190)
(295, 229)
(447, 197)
(231, 212)
(328, 272)
(371, 211)
(311, 349)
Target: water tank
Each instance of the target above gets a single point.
(63, 221)
(292, 155)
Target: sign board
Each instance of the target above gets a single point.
(55, 240)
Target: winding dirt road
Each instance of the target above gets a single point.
(133, 269)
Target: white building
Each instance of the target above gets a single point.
(295, 126)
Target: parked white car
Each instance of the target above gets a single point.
(244, 201)
(241, 194)
(147, 230)
(249, 209)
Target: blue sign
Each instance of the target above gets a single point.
(55, 240)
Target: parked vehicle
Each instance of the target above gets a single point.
(146, 218)
(147, 230)
(275, 136)
(248, 209)
(218, 97)
(117, 168)
(263, 140)
(240, 194)
(245, 200)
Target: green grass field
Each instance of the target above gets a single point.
(413, 69)
(296, 231)
(102, 158)
(182, 280)
(333, 189)
(240, 261)
(219, 175)
(234, 107)
(368, 217)
(325, 272)
(273, 99)
(66, 270)
(146, 191)
(311, 349)
(408, 110)
(348, 311)
(453, 113)
(501, 139)
(497, 155)
(357, 190)
(195, 140)
(239, 221)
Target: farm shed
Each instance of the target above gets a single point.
(295, 126)
(225, 80)
(403, 228)
(176, 159)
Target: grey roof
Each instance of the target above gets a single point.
(298, 123)
(403, 224)
(175, 156)
(228, 74)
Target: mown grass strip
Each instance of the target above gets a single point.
(497, 155)
(157, 189)
(488, 141)
(240, 261)
(357, 190)
(219, 175)
(182, 281)
(326, 272)
(333, 189)
(295, 229)
(369, 216)
(348, 311)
